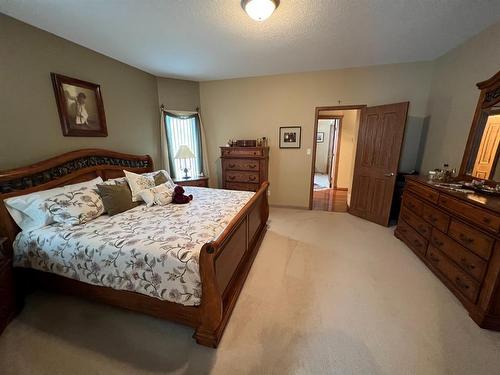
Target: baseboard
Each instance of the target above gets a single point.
(289, 206)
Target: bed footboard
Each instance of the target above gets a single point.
(224, 266)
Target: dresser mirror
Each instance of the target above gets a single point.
(480, 160)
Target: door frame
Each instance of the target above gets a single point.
(317, 117)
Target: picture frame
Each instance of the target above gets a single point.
(80, 107)
(320, 137)
(290, 136)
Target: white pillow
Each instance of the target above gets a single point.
(29, 211)
(76, 206)
(153, 174)
(159, 195)
(138, 183)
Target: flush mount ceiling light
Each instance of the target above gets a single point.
(259, 10)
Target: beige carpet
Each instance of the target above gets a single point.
(328, 294)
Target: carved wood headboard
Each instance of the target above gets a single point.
(69, 168)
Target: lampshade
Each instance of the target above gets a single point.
(259, 10)
(184, 152)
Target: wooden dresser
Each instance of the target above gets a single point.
(244, 168)
(457, 236)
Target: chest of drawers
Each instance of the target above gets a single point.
(244, 168)
(458, 237)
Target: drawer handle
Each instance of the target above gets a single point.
(432, 219)
(465, 239)
(466, 264)
(461, 284)
(437, 242)
(422, 228)
(232, 165)
(232, 177)
(252, 178)
(433, 258)
(252, 166)
(411, 205)
(486, 220)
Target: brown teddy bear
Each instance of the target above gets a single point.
(179, 198)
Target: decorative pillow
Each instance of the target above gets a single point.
(159, 195)
(116, 181)
(30, 212)
(137, 183)
(157, 174)
(116, 198)
(160, 178)
(76, 207)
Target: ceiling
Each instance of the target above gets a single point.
(215, 39)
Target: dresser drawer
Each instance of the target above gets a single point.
(435, 217)
(241, 186)
(423, 191)
(416, 222)
(240, 164)
(467, 261)
(472, 239)
(482, 218)
(411, 237)
(462, 282)
(243, 151)
(241, 176)
(413, 203)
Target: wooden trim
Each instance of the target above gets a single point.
(316, 118)
(329, 117)
(217, 302)
(337, 155)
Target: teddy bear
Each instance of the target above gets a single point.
(179, 197)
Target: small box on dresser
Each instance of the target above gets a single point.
(244, 168)
(457, 236)
(8, 299)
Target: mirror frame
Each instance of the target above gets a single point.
(489, 96)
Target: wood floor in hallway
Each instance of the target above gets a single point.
(333, 200)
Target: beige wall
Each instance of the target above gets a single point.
(29, 125)
(256, 107)
(322, 148)
(177, 94)
(454, 96)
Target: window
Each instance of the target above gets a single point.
(184, 131)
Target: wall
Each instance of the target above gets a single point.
(256, 107)
(454, 96)
(321, 163)
(30, 127)
(177, 94)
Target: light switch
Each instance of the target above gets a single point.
(308, 151)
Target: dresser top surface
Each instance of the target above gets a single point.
(489, 202)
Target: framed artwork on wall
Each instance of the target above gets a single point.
(320, 137)
(80, 107)
(290, 136)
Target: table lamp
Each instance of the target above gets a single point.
(184, 153)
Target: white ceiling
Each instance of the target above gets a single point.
(215, 39)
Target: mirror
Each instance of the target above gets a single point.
(481, 154)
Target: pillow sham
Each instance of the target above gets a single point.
(116, 198)
(29, 211)
(76, 206)
(137, 183)
(159, 195)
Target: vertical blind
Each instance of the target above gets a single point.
(184, 130)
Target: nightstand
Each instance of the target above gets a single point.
(193, 181)
(8, 299)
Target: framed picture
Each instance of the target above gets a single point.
(320, 137)
(290, 136)
(80, 107)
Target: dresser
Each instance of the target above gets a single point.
(192, 181)
(8, 298)
(457, 236)
(244, 168)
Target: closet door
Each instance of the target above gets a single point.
(377, 156)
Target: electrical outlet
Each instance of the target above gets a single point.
(268, 192)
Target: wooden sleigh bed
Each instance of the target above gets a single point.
(224, 262)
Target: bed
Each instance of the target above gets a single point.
(185, 263)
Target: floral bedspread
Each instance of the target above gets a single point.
(153, 251)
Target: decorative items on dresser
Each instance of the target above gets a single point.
(457, 235)
(244, 168)
(8, 300)
(193, 181)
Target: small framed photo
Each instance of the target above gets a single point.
(80, 107)
(290, 136)
(320, 137)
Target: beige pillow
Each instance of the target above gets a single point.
(116, 198)
(138, 183)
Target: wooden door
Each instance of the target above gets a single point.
(380, 138)
(487, 153)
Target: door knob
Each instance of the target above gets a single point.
(389, 174)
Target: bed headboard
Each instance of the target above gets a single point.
(69, 168)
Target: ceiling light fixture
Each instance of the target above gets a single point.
(259, 10)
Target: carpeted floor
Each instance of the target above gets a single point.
(328, 294)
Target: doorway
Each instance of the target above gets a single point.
(334, 147)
